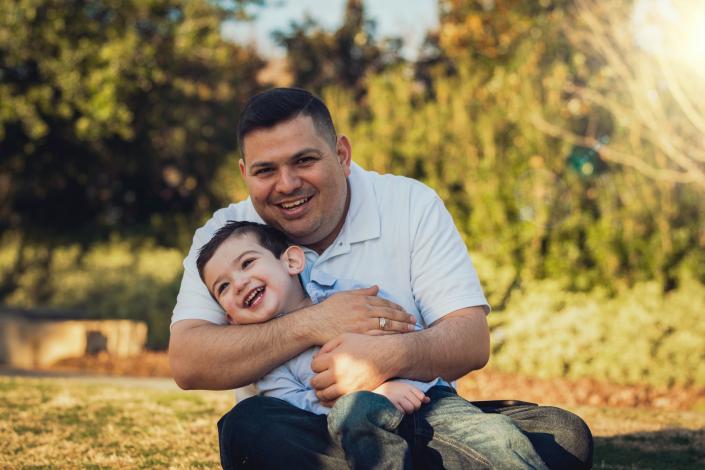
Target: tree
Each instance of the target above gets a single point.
(640, 90)
(115, 115)
(320, 58)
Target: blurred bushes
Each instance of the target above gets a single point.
(638, 336)
(116, 279)
(593, 270)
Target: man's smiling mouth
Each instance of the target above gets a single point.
(292, 204)
(254, 296)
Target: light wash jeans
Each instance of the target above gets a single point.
(264, 432)
(449, 432)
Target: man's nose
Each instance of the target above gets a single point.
(288, 181)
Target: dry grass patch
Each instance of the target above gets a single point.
(132, 423)
(72, 423)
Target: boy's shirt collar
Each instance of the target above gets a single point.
(319, 285)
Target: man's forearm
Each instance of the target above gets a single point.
(218, 357)
(452, 347)
(208, 356)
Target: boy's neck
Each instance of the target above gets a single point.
(305, 302)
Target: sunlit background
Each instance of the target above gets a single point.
(567, 138)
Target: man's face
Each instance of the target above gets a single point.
(297, 180)
(250, 283)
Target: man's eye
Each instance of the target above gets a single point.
(247, 262)
(305, 160)
(262, 171)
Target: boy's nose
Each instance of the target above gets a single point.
(241, 282)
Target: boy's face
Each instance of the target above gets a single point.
(250, 283)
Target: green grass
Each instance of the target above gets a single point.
(108, 423)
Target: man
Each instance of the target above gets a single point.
(384, 230)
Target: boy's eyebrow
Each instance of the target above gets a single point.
(296, 155)
(234, 261)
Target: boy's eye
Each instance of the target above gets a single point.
(221, 288)
(247, 262)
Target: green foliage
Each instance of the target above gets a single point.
(513, 190)
(115, 115)
(638, 336)
(117, 279)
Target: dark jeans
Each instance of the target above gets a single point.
(263, 432)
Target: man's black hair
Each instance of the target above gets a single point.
(268, 237)
(269, 108)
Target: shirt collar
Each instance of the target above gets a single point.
(363, 219)
(322, 278)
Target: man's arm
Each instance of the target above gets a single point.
(450, 348)
(217, 357)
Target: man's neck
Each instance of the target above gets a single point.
(320, 246)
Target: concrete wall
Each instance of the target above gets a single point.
(28, 343)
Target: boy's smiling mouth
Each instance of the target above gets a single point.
(254, 297)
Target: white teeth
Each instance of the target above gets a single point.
(253, 294)
(290, 205)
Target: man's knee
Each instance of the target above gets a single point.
(237, 432)
(577, 436)
(571, 433)
(247, 430)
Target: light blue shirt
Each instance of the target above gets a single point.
(291, 381)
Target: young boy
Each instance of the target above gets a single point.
(252, 271)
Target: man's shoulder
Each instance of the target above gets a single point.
(391, 185)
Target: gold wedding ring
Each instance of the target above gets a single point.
(382, 323)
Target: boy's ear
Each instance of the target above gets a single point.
(294, 259)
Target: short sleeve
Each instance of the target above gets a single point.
(443, 278)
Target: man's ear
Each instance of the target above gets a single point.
(242, 167)
(294, 259)
(343, 149)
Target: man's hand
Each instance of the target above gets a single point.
(349, 363)
(405, 397)
(359, 311)
(450, 348)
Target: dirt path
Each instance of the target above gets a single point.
(486, 384)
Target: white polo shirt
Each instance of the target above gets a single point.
(397, 234)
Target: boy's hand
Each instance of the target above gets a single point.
(358, 311)
(405, 397)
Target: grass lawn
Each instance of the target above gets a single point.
(124, 423)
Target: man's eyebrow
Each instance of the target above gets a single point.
(234, 261)
(266, 164)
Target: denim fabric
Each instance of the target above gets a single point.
(263, 432)
(365, 425)
(449, 432)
